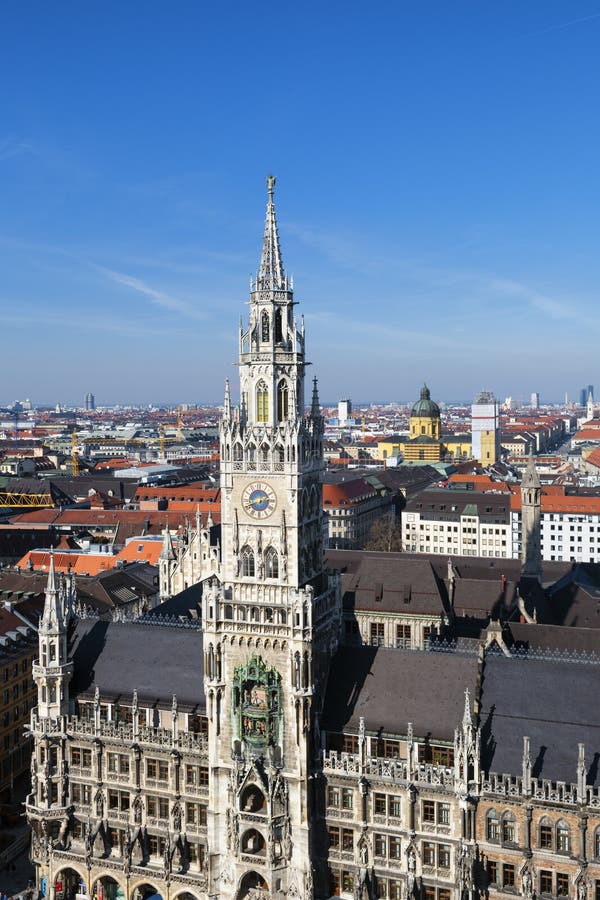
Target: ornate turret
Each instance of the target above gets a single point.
(53, 671)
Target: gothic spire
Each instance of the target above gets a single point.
(227, 405)
(315, 407)
(53, 604)
(270, 274)
(167, 551)
(531, 479)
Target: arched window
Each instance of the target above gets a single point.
(251, 453)
(262, 402)
(492, 826)
(253, 800)
(509, 828)
(563, 837)
(271, 563)
(282, 400)
(264, 454)
(264, 327)
(279, 454)
(278, 328)
(238, 452)
(247, 557)
(597, 843)
(546, 834)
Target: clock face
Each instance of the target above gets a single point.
(259, 500)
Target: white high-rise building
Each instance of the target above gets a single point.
(344, 411)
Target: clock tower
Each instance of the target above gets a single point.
(271, 618)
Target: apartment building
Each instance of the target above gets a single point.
(458, 523)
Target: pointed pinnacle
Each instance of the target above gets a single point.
(270, 274)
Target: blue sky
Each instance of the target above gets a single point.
(438, 194)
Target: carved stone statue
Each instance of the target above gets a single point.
(177, 818)
(582, 889)
(527, 883)
(137, 810)
(167, 858)
(364, 854)
(89, 844)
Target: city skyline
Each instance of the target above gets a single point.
(440, 225)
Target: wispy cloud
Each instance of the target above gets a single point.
(557, 309)
(29, 316)
(560, 25)
(9, 148)
(157, 297)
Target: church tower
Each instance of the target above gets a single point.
(271, 618)
(531, 514)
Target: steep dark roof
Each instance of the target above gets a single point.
(553, 703)
(157, 661)
(391, 688)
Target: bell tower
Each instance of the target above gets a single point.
(531, 514)
(271, 617)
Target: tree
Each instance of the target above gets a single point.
(385, 535)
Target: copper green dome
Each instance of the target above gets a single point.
(425, 407)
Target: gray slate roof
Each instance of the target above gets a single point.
(553, 703)
(391, 688)
(157, 661)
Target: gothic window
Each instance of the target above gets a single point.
(278, 328)
(271, 563)
(251, 453)
(262, 402)
(492, 826)
(597, 843)
(279, 454)
(282, 400)
(264, 327)
(509, 828)
(563, 837)
(238, 452)
(247, 558)
(228, 611)
(545, 834)
(264, 454)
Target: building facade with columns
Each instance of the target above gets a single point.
(254, 754)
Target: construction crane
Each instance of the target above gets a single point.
(74, 453)
(162, 440)
(179, 424)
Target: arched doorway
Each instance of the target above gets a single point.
(146, 891)
(252, 885)
(68, 883)
(107, 888)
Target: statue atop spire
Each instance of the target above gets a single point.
(271, 275)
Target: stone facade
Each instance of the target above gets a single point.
(252, 754)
